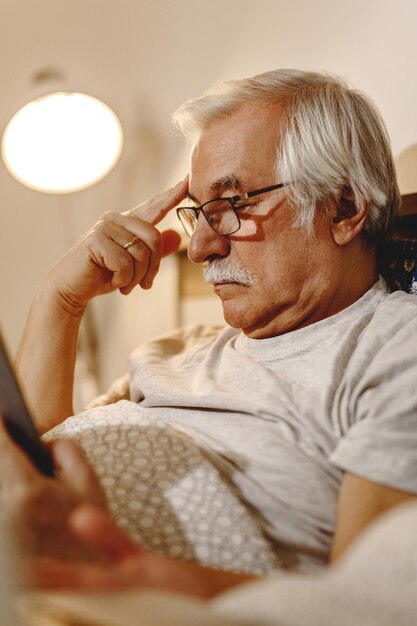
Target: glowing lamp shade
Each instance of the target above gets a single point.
(62, 142)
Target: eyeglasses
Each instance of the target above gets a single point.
(221, 213)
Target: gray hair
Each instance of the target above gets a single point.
(332, 138)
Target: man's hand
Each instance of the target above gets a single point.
(124, 565)
(121, 251)
(37, 507)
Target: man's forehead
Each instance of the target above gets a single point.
(234, 154)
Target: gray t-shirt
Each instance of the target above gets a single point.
(290, 413)
(283, 418)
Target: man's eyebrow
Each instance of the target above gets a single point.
(225, 183)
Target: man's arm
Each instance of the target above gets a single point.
(360, 502)
(45, 360)
(99, 263)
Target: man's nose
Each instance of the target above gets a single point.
(205, 242)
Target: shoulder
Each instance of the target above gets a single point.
(377, 402)
(390, 334)
(400, 303)
(395, 316)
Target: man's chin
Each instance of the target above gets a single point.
(234, 313)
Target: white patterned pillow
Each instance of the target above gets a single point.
(165, 493)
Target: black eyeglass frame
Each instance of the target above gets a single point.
(232, 200)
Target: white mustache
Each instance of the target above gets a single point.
(223, 271)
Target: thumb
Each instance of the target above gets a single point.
(96, 529)
(75, 471)
(171, 241)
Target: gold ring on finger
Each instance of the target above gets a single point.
(130, 243)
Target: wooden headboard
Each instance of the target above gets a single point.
(405, 225)
(408, 204)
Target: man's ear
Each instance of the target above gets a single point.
(349, 219)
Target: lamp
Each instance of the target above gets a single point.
(62, 142)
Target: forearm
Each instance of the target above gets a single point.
(46, 357)
(121, 251)
(361, 502)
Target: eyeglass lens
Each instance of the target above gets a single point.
(218, 213)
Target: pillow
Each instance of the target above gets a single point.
(165, 493)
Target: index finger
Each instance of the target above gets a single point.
(154, 209)
(75, 470)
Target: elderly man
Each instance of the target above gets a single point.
(306, 401)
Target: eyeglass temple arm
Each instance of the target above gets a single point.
(249, 194)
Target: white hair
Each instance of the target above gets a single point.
(332, 140)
